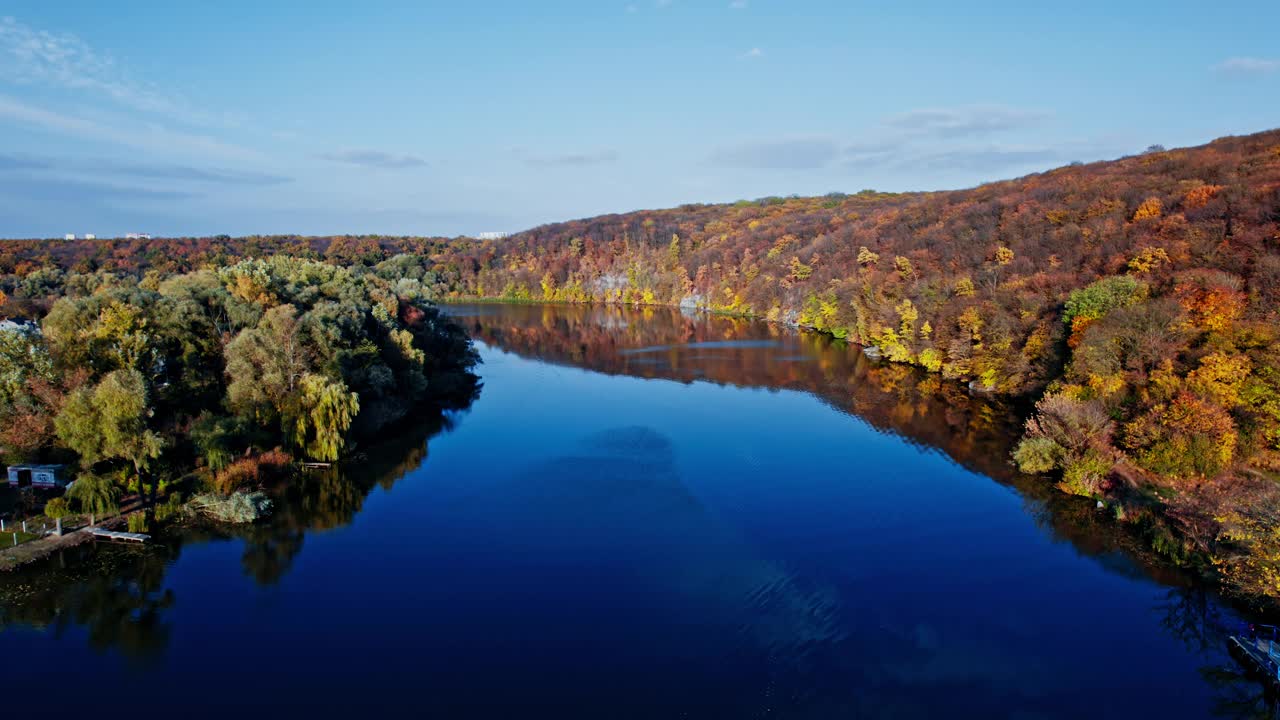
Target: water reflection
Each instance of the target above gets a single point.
(586, 566)
(922, 409)
(117, 597)
(117, 594)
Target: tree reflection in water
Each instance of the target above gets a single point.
(923, 409)
(118, 595)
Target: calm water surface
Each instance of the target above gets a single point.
(647, 515)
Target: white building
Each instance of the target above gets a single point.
(70, 236)
(90, 236)
(137, 236)
(492, 235)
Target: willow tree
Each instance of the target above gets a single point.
(95, 494)
(327, 409)
(110, 422)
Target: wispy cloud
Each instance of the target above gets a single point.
(21, 162)
(147, 136)
(568, 159)
(375, 159)
(738, 5)
(106, 168)
(219, 176)
(788, 154)
(754, 52)
(68, 191)
(979, 159)
(936, 140)
(965, 121)
(64, 61)
(1248, 66)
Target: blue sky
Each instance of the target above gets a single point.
(451, 118)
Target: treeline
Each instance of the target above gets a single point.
(234, 369)
(34, 273)
(1138, 300)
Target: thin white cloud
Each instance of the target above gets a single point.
(751, 54)
(1248, 66)
(568, 159)
(101, 169)
(64, 61)
(738, 5)
(937, 139)
(143, 136)
(965, 121)
(990, 158)
(786, 154)
(375, 159)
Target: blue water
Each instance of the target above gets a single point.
(711, 536)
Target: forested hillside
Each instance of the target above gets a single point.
(1138, 300)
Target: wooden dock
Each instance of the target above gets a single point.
(117, 535)
(1260, 655)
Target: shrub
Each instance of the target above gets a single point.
(1086, 475)
(138, 523)
(252, 471)
(1037, 455)
(1074, 425)
(57, 508)
(170, 509)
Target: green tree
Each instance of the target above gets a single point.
(57, 508)
(265, 365)
(110, 422)
(95, 494)
(327, 410)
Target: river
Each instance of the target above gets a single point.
(647, 514)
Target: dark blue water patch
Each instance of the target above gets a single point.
(791, 540)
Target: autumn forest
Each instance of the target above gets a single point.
(1131, 306)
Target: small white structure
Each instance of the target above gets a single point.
(492, 235)
(90, 236)
(137, 236)
(70, 236)
(40, 476)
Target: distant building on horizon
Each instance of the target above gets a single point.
(90, 236)
(137, 236)
(493, 235)
(69, 236)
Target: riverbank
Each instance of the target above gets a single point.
(14, 557)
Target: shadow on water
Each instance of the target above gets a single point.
(922, 409)
(117, 593)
